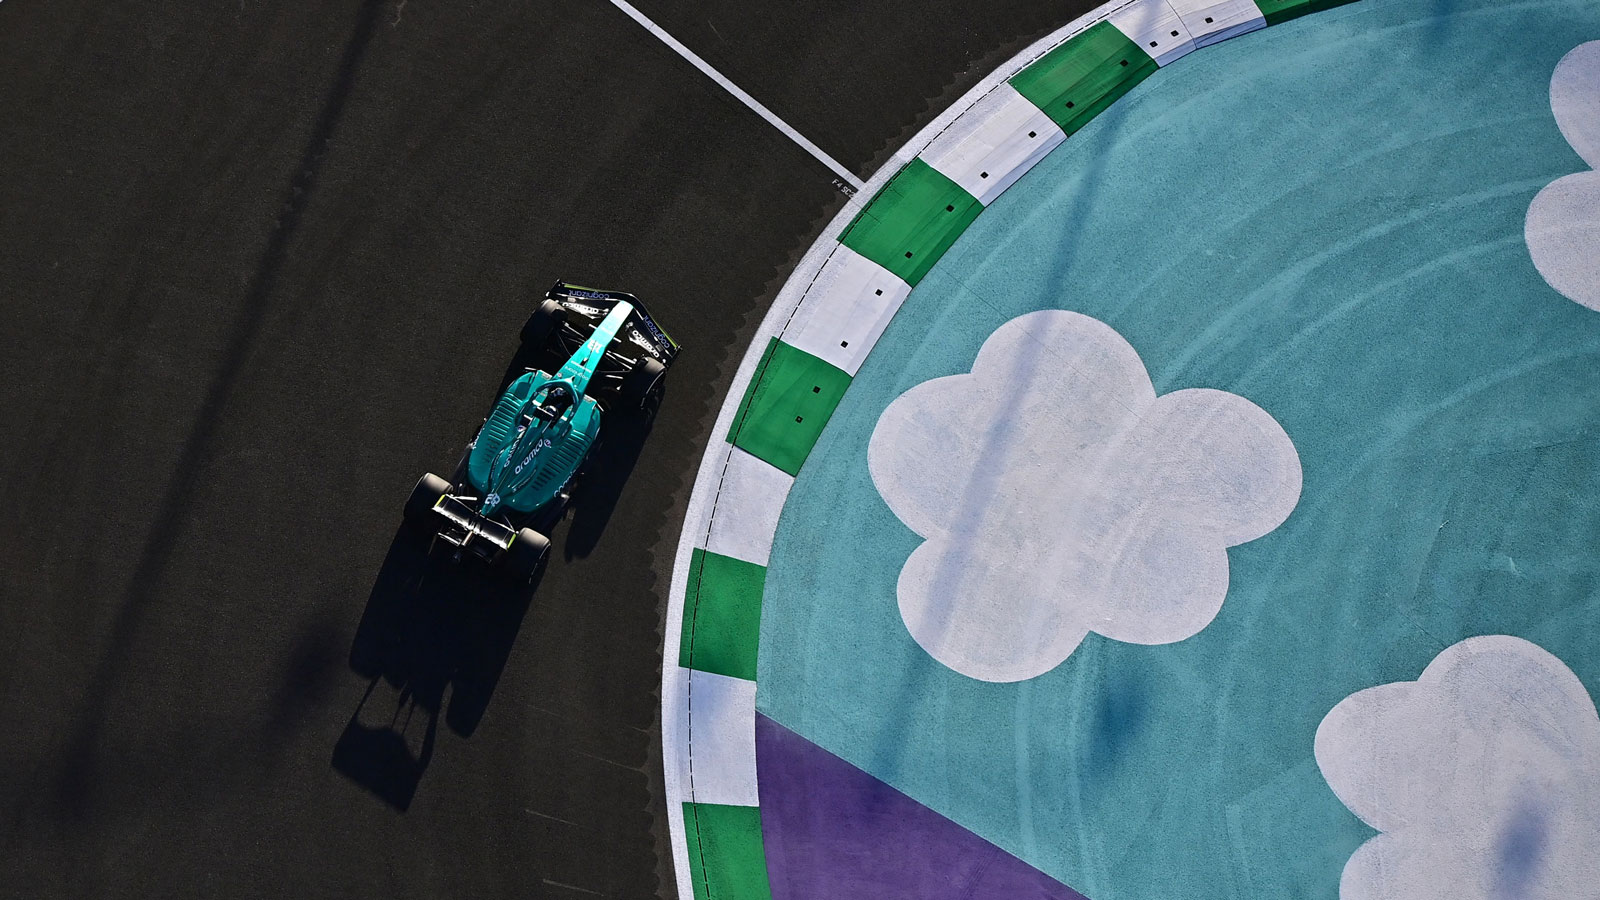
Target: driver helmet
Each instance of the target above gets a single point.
(557, 399)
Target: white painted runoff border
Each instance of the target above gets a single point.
(835, 306)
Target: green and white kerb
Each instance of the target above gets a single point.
(812, 342)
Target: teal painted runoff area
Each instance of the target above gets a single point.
(1325, 218)
(786, 405)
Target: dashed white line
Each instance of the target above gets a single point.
(572, 887)
(737, 92)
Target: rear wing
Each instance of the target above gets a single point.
(640, 329)
(470, 525)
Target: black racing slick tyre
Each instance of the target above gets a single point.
(526, 555)
(641, 383)
(424, 496)
(546, 318)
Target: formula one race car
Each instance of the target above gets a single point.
(515, 478)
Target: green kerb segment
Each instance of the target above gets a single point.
(722, 615)
(912, 221)
(786, 405)
(1277, 11)
(1077, 81)
(726, 860)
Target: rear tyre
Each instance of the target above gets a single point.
(641, 384)
(526, 555)
(547, 317)
(424, 497)
(551, 514)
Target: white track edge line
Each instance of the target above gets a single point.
(727, 85)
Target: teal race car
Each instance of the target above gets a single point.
(597, 354)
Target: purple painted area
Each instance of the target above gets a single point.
(831, 830)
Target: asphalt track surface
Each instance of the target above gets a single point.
(262, 265)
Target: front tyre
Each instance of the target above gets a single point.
(424, 497)
(641, 383)
(526, 555)
(547, 317)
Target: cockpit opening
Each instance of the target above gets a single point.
(557, 400)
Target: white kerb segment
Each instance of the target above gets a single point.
(993, 144)
(1156, 27)
(1212, 21)
(749, 502)
(846, 309)
(722, 744)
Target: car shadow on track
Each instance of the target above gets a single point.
(429, 625)
(432, 627)
(610, 464)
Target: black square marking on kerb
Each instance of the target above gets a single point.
(1174, 34)
(1208, 20)
(949, 209)
(878, 292)
(816, 390)
(1124, 62)
(1152, 43)
(844, 343)
(908, 254)
(1070, 104)
(799, 419)
(983, 174)
(1033, 134)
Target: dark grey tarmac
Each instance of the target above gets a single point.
(261, 265)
